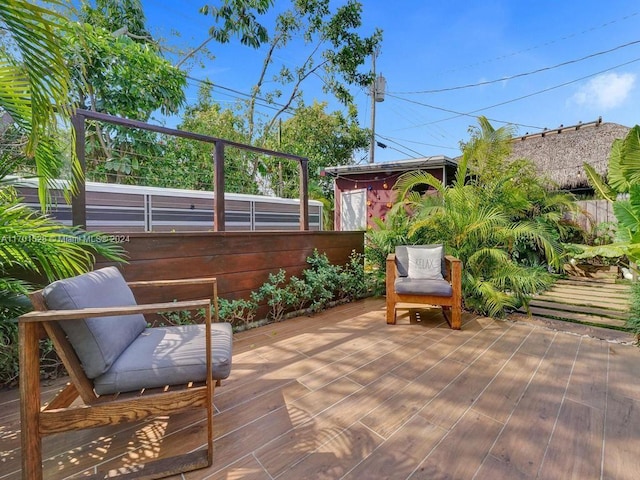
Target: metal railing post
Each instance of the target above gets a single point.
(218, 188)
(304, 195)
(79, 200)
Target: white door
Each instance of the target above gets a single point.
(353, 210)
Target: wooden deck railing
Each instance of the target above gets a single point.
(78, 205)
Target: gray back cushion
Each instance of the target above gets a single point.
(402, 258)
(98, 342)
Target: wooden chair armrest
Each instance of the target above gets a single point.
(391, 261)
(454, 274)
(60, 315)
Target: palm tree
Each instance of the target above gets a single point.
(482, 234)
(34, 86)
(501, 222)
(34, 81)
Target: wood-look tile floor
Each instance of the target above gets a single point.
(342, 395)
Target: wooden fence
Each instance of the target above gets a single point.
(594, 213)
(241, 261)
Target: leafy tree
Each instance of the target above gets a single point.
(120, 74)
(239, 18)
(335, 52)
(189, 164)
(326, 139)
(125, 16)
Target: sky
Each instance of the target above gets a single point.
(532, 65)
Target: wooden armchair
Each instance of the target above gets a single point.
(422, 274)
(121, 370)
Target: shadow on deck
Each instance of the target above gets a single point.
(344, 395)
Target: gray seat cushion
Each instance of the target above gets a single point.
(410, 286)
(168, 356)
(98, 342)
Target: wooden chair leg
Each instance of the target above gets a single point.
(31, 439)
(456, 317)
(391, 311)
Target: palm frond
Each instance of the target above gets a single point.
(34, 86)
(34, 243)
(410, 180)
(615, 174)
(630, 156)
(597, 182)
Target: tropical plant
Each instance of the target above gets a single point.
(34, 247)
(482, 236)
(381, 240)
(633, 323)
(501, 222)
(34, 81)
(623, 189)
(34, 87)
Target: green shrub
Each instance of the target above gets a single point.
(352, 280)
(634, 311)
(301, 292)
(323, 279)
(279, 298)
(239, 313)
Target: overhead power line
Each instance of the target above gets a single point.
(457, 114)
(546, 44)
(391, 139)
(473, 112)
(542, 91)
(519, 75)
(265, 103)
(400, 145)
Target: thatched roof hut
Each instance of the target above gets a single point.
(560, 153)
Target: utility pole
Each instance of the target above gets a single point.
(372, 143)
(377, 95)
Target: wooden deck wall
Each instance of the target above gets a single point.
(242, 261)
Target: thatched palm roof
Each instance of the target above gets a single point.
(559, 154)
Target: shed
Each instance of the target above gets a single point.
(364, 192)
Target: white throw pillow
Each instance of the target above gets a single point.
(425, 263)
